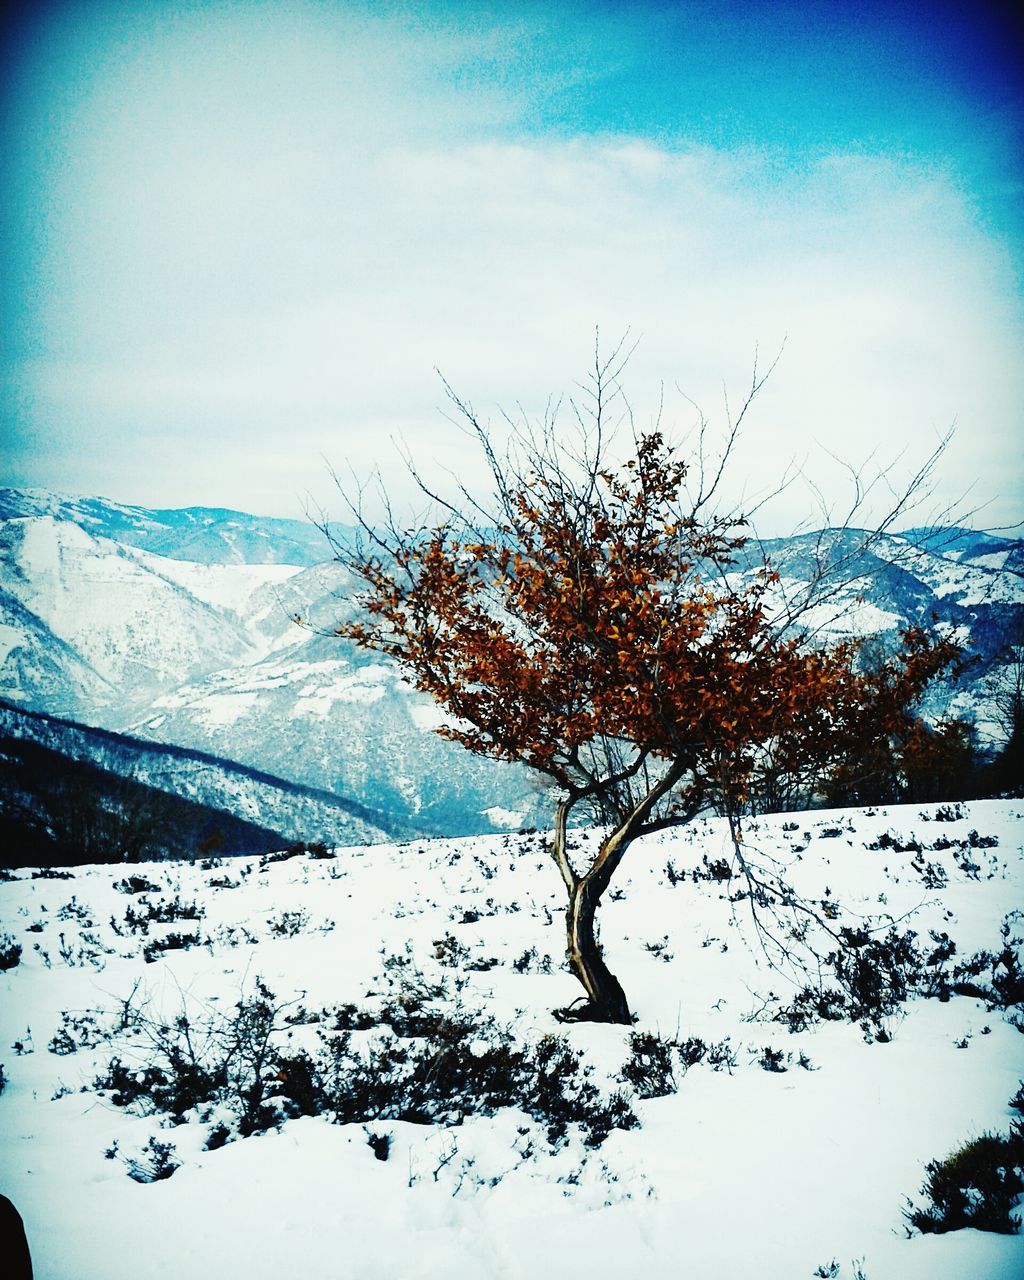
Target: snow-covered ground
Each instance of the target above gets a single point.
(741, 1172)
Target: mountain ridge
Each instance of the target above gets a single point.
(294, 810)
(206, 655)
(205, 535)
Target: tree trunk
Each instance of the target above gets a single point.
(606, 1000)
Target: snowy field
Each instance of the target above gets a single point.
(775, 1154)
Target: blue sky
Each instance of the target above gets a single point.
(239, 237)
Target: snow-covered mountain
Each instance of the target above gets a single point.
(125, 613)
(968, 585)
(179, 627)
(208, 656)
(205, 535)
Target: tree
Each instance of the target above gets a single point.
(60, 811)
(1007, 770)
(592, 622)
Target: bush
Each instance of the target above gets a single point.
(874, 976)
(977, 1186)
(157, 1162)
(431, 1065)
(10, 952)
(156, 947)
(195, 1063)
(136, 884)
(162, 911)
(531, 961)
(380, 1144)
(465, 1067)
(289, 924)
(77, 1031)
(773, 1060)
(1004, 988)
(650, 1070)
(559, 1093)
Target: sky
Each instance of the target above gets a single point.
(240, 239)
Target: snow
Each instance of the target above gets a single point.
(983, 580)
(365, 685)
(121, 617)
(858, 618)
(848, 614)
(220, 709)
(740, 1172)
(42, 544)
(994, 560)
(10, 638)
(500, 817)
(428, 716)
(315, 687)
(226, 586)
(173, 650)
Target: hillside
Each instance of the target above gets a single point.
(276, 808)
(59, 811)
(397, 988)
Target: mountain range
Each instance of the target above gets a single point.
(178, 627)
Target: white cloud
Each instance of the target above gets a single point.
(249, 269)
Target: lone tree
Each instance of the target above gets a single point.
(592, 621)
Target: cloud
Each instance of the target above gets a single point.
(256, 262)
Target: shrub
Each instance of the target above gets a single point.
(874, 976)
(893, 840)
(349, 1017)
(977, 1186)
(136, 884)
(289, 924)
(196, 1062)
(531, 961)
(719, 1055)
(380, 1144)
(156, 947)
(157, 1162)
(450, 952)
(77, 1031)
(1007, 972)
(1004, 988)
(773, 1059)
(10, 952)
(74, 910)
(433, 1065)
(717, 870)
(692, 1051)
(649, 1070)
(463, 1067)
(174, 1087)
